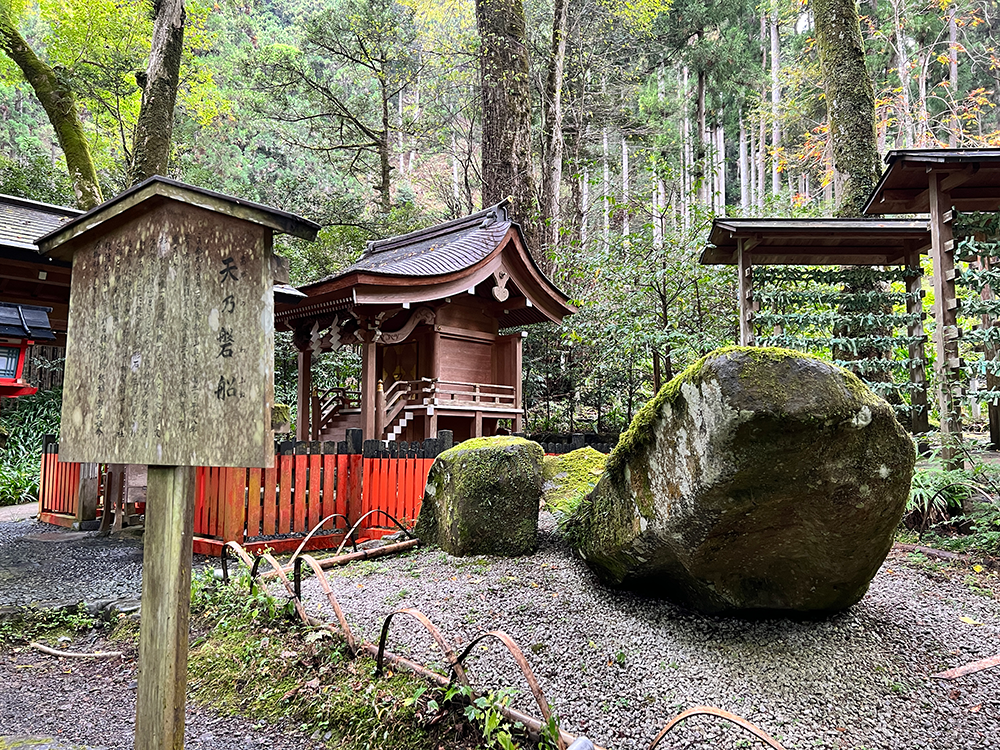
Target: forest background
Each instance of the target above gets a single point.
(365, 115)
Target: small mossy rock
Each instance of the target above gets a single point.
(569, 477)
(758, 479)
(483, 497)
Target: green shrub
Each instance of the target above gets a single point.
(26, 419)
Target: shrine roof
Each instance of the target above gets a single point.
(868, 241)
(435, 251)
(25, 321)
(23, 221)
(437, 263)
(971, 177)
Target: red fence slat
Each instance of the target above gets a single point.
(270, 497)
(285, 495)
(253, 503)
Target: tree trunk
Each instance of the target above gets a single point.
(955, 128)
(626, 228)
(850, 101)
(552, 118)
(59, 103)
(384, 157)
(153, 131)
(775, 105)
(744, 171)
(506, 161)
(902, 61)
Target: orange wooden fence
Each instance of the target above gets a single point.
(277, 507)
(58, 490)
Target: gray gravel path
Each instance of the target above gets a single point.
(616, 667)
(92, 703)
(48, 566)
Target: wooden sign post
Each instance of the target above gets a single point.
(170, 363)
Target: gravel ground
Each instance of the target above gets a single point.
(92, 702)
(47, 566)
(616, 666)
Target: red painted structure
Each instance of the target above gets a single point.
(276, 508)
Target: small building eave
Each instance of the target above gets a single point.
(62, 242)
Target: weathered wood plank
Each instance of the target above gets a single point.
(270, 500)
(171, 334)
(253, 502)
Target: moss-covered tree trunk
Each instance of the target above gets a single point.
(508, 170)
(850, 101)
(151, 151)
(59, 103)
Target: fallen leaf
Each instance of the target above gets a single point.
(312, 684)
(969, 621)
(977, 568)
(975, 708)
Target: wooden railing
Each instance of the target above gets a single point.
(425, 392)
(330, 404)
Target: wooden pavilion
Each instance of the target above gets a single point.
(938, 182)
(34, 293)
(437, 314)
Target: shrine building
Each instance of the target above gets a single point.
(438, 315)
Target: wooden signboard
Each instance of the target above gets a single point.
(170, 351)
(169, 363)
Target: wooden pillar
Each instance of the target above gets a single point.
(477, 425)
(86, 505)
(518, 421)
(945, 313)
(745, 290)
(304, 394)
(918, 358)
(368, 380)
(166, 603)
(990, 354)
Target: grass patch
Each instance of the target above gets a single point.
(28, 624)
(250, 656)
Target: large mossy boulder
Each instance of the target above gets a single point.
(758, 479)
(483, 497)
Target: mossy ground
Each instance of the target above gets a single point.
(250, 657)
(571, 476)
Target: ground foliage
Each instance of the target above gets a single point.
(26, 420)
(251, 656)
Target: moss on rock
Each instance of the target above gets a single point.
(571, 476)
(483, 497)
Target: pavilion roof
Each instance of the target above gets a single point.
(817, 241)
(971, 176)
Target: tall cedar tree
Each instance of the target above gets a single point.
(850, 101)
(159, 92)
(506, 94)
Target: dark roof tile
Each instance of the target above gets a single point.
(23, 221)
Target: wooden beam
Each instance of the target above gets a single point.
(369, 378)
(945, 317)
(166, 604)
(955, 179)
(304, 393)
